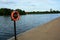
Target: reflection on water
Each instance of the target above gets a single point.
(26, 22)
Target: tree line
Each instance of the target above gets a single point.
(44, 12)
(6, 11)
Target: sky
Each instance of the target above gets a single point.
(31, 5)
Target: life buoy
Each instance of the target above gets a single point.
(15, 15)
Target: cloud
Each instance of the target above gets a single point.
(6, 2)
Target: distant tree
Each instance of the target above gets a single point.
(5, 11)
(51, 10)
(21, 12)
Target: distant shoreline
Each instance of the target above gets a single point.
(43, 13)
(6, 12)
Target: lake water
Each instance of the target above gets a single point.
(26, 22)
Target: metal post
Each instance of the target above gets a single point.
(15, 29)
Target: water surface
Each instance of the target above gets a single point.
(26, 22)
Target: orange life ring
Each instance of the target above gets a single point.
(12, 15)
